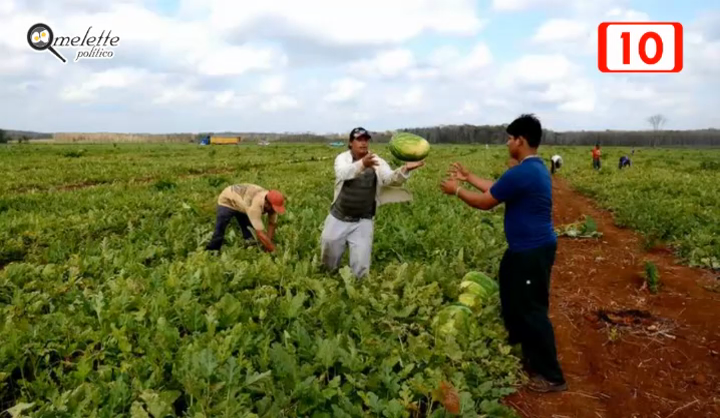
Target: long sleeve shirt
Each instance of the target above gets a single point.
(389, 181)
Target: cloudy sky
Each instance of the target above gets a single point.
(326, 66)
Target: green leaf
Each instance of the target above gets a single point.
(17, 410)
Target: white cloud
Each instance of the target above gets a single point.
(117, 78)
(446, 61)
(587, 7)
(229, 99)
(344, 90)
(236, 60)
(577, 95)
(389, 63)
(494, 102)
(404, 63)
(578, 35)
(179, 95)
(378, 22)
(469, 107)
(406, 101)
(6, 7)
(558, 30)
(224, 98)
(624, 89)
(13, 63)
(272, 84)
(479, 57)
(537, 69)
(279, 103)
(517, 5)
(627, 15)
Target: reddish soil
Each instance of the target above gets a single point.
(661, 359)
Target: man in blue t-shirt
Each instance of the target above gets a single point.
(526, 266)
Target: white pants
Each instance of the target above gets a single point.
(357, 235)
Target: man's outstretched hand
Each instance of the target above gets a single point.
(450, 186)
(410, 166)
(459, 172)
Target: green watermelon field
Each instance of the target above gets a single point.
(110, 307)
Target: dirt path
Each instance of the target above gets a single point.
(662, 360)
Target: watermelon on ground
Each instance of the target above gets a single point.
(451, 318)
(409, 147)
(477, 288)
(489, 285)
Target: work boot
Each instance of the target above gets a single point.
(542, 385)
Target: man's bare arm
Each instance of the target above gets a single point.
(479, 183)
(271, 230)
(458, 171)
(482, 201)
(265, 240)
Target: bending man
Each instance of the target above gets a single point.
(247, 203)
(624, 162)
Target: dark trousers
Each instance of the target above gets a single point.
(596, 163)
(524, 296)
(224, 216)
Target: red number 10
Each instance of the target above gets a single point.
(643, 48)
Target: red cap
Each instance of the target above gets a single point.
(277, 201)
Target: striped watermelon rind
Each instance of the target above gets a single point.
(408, 147)
(474, 278)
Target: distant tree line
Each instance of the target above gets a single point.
(21, 136)
(469, 134)
(472, 134)
(444, 134)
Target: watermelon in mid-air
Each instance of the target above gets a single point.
(409, 147)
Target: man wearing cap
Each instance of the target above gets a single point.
(247, 203)
(363, 181)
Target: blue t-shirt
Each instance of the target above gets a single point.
(526, 190)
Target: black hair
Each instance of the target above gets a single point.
(527, 126)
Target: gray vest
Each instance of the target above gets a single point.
(356, 199)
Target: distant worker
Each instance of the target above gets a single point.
(555, 163)
(596, 154)
(624, 162)
(247, 203)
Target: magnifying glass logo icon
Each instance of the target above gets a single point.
(40, 37)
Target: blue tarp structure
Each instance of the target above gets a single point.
(337, 144)
(205, 141)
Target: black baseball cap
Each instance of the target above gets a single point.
(359, 132)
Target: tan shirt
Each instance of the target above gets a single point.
(248, 199)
